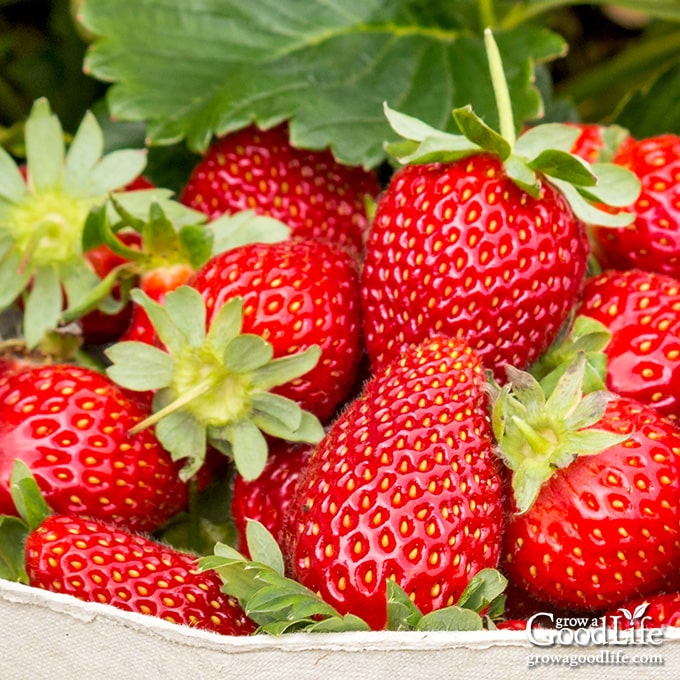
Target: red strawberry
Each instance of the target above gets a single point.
(268, 498)
(70, 426)
(404, 486)
(474, 237)
(261, 170)
(603, 528)
(296, 293)
(597, 143)
(641, 310)
(460, 248)
(98, 562)
(652, 241)
(654, 611)
(97, 326)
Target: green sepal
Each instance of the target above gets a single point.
(540, 138)
(263, 547)
(13, 278)
(45, 148)
(565, 166)
(126, 357)
(85, 150)
(196, 243)
(13, 535)
(27, 497)
(276, 603)
(538, 434)
(43, 305)
(249, 449)
(482, 600)
(582, 334)
(479, 133)
(616, 186)
(213, 384)
(244, 227)
(13, 187)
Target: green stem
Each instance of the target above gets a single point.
(183, 400)
(487, 13)
(500, 88)
(522, 12)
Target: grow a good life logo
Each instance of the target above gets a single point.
(628, 629)
(544, 629)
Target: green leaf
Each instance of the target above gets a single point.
(138, 203)
(263, 547)
(484, 587)
(13, 534)
(43, 305)
(44, 148)
(247, 352)
(249, 449)
(328, 67)
(26, 495)
(139, 366)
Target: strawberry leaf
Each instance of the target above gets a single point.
(27, 497)
(263, 547)
(402, 613)
(292, 59)
(244, 227)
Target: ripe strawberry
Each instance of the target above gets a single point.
(267, 499)
(601, 528)
(641, 310)
(597, 143)
(70, 426)
(98, 327)
(261, 170)
(654, 611)
(296, 294)
(98, 562)
(404, 486)
(474, 238)
(652, 241)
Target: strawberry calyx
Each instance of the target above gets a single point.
(582, 334)
(213, 387)
(32, 509)
(279, 604)
(539, 432)
(542, 152)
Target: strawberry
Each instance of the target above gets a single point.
(98, 562)
(296, 294)
(654, 611)
(652, 241)
(404, 486)
(268, 498)
(70, 426)
(261, 170)
(474, 236)
(594, 516)
(641, 311)
(97, 326)
(598, 143)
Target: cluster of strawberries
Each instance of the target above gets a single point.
(424, 390)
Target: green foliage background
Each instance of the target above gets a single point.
(175, 73)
